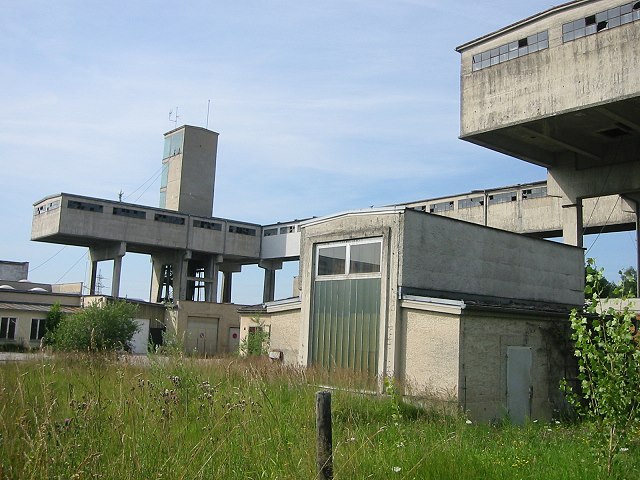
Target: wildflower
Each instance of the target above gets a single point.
(400, 444)
(468, 422)
(624, 449)
(396, 469)
(352, 439)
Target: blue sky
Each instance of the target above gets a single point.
(321, 107)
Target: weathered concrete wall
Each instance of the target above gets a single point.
(443, 255)
(597, 69)
(485, 337)
(430, 352)
(191, 175)
(283, 326)
(386, 224)
(220, 317)
(144, 229)
(14, 271)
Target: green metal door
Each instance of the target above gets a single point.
(345, 324)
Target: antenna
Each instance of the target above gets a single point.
(120, 194)
(176, 117)
(208, 105)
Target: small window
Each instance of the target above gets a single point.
(242, 230)
(332, 260)
(38, 328)
(269, 232)
(207, 225)
(90, 207)
(365, 258)
(7, 328)
(129, 212)
(159, 217)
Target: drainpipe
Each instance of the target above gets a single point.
(486, 207)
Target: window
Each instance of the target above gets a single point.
(7, 328)
(511, 50)
(471, 202)
(269, 232)
(242, 230)
(352, 258)
(537, 192)
(505, 197)
(37, 328)
(173, 144)
(441, 207)
(207, 225)
(605, 20)
(46, 207)
(129, 212)
(91, 207)
(159, 217)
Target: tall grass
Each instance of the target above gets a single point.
(99, 417)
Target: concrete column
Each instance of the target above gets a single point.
(269, 290)
(180, 290)
(115, 278)
(270, 267)
(93, 276)
(572, 228)
(226, 286)
(211, 287)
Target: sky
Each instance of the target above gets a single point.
(321, 107)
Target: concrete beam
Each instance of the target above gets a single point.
(572, 227)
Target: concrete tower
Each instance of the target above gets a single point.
(189, 170)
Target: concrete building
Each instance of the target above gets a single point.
(433, 302)
(559, 89)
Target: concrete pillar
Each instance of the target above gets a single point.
(211, 272)
(115, 278)
(269, 290)
(182, 265)
(93, 276)
(572, 228)
(226, 286)
(270, 267)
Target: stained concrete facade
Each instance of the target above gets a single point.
(566, 97)
(452, 297)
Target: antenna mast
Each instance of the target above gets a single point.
(176, 117)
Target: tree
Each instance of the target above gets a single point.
(54, 317)
(606, 346)
(99, 327)
(628, 286)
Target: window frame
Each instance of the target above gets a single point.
(40, 329)
(8, 322)
(347, 274)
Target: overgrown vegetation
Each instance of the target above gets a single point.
(608, 394)
(257, 340)
(93, 416)
(96, 328)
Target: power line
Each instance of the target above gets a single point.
(605, 224)
(71, 267)
(48, 259)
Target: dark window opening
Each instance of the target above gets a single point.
(158, 217)
(207, 225)
(441, 207)
(129, 212)
(89, 207)
(8, 328)
(242, 230)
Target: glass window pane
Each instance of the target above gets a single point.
(504, 49)
(543, 44)
(332, 260)
(365, 258)
(626, 8)
(567, 27)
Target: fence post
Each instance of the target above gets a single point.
(324, 459)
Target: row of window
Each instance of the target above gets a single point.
(582, 27)
(46, 207)
(511, 50)
(160, 217)
(351, 258)
(605, 20)
(8, 328)
(503, 197)
(269, 232)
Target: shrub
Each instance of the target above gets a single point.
(108, 326)
(608, 370)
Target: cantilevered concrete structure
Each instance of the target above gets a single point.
(560, 89)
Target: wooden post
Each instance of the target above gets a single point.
(324, 457)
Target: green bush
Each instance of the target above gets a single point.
(608, 394)
(99, 327)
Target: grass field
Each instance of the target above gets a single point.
(88, 417)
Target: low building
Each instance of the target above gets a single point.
(453, 310)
